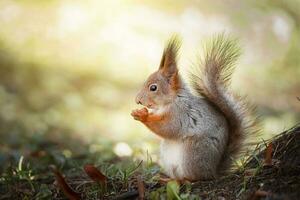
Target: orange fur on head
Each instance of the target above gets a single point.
(166, 80)
(168, 63)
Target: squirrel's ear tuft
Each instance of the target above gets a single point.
(168, 63)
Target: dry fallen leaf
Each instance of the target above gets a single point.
(260, 193)
(94, 173)
(268, 155)
(38, 154)
(67, 190)
(250, 172)
(164, 179)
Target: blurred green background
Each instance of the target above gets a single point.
(69, 70)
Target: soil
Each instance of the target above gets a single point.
(272, 173)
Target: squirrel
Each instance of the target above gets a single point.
(203, 127)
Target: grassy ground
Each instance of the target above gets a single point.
(27, 172)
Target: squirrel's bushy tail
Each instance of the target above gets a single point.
(212, 82)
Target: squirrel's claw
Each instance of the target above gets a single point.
(140, 114)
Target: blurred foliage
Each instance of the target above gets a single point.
(69, 70)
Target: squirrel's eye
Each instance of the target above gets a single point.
(153, 87)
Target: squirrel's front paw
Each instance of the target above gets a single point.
(140, 114)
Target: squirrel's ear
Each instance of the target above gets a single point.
(168, 63)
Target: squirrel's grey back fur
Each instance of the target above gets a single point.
(202, 134)
(212, 83)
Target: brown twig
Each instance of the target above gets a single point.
(268, 155)
(128, 195)
(141, 188)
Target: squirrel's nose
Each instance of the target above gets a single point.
(138, 100)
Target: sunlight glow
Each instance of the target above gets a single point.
(72, 18)
(93, 56)
(122, 149)
(281, 28)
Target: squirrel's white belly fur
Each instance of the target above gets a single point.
(172, 154)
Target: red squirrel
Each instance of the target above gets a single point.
(203, 127)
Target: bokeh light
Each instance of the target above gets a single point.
(74, 67)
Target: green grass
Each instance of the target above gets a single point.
(26, 174)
